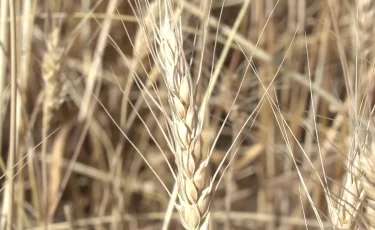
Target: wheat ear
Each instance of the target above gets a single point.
(366, 14)
(51, 68)
(352, 193)
(357, 199)
(366, 30)
(368, 181)
(51, 74)
(193, 180)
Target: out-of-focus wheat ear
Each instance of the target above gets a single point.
(367, 166)
(144, 39)
(366, 46)
(354, 200)
(348, 215)
(53, 85)
(366, 30)
(51, 68)
(350, 201)
(193, 176)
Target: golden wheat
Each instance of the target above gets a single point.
(193, 177)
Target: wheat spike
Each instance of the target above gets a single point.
(366, 30)
(366, 14)
(352, 194)
(144, 35)
(367, 166)
(51, 68)
(366, 44)
(368, 181)
(356, 200)
(193, 178)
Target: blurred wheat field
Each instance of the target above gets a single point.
(281, 94)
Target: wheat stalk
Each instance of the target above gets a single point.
(193, 180)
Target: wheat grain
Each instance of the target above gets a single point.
(193, 178)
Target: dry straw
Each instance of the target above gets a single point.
(193, 178)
